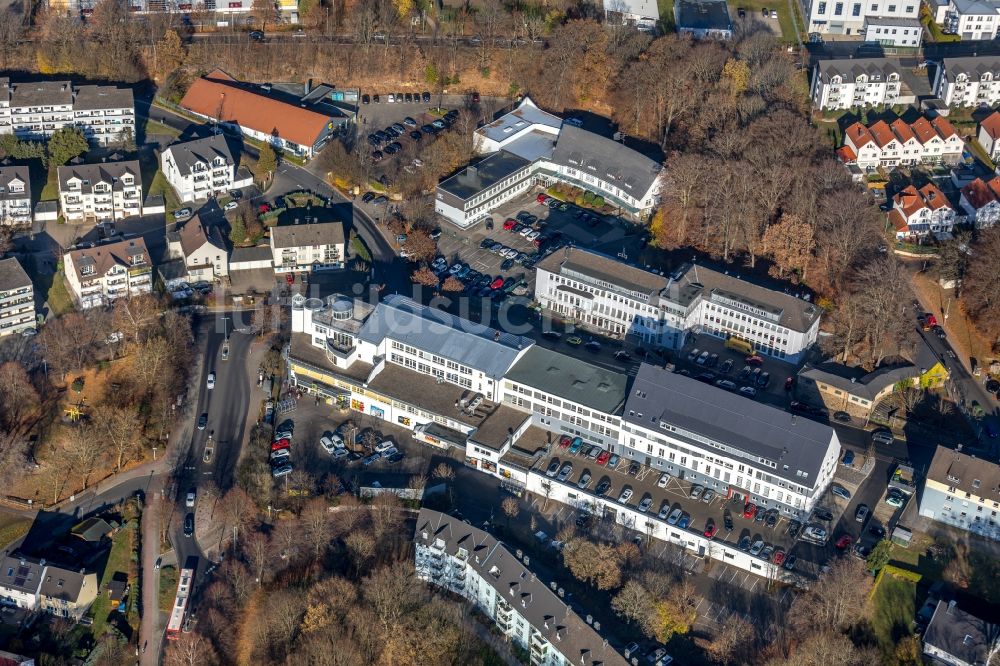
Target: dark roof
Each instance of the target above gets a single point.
(9, 173)
(533, 599)
(12, 275)
(612, 162)
(103, 97)
(314, 233)
(747, 427)
(968, 474)
(702, 15)
(102, 172)
(483, 175)
(571, 379)
(200, 151)
(960, 634)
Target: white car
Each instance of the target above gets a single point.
(211, 380)
(189, 500)
(664, 478)
(230, 206)
(382, 447)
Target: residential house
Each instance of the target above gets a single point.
(858, 82)
(928, 141)
(963, 491)
(703, 19)
(607, 295)
(837, 387)
(299, 124)
(957, 638)
(20, 578)
(15, 195)
(103, 192)
(67, 593)
(893, 31)
(35, 110)
(969, 81)
(969, 19)
(202, 168)
(849, 17)
(464, 560)
(201, 249)
(17, 298)
(981, 202)
(309, 246)
(989, 135)
(99, 275)
(921, 213)
(642, 14)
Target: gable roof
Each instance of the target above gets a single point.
(309, 234)
(959, 634)
(613, 162)
(104, 257)
(188, 154)
(991, 124)
(218, 95)
(571, 379)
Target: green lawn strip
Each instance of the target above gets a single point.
(118, 560)
(893, 611)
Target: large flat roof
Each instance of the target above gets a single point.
(571, 379)
(754, 429)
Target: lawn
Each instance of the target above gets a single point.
(894, 607)
(119, 559)
(168, 588)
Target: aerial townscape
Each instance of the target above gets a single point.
(500, 332)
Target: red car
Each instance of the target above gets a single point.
(565, 440)
(282, 443)
(844, 542)
(509, 225)
(710, 530)
(602, 459)
(779, 556)
(754, 360)
(750, 510)
(541, 198)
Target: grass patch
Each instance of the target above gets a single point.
(893, 611)
(58, 297)
(168, 588)
(119, 559)
(13, 530)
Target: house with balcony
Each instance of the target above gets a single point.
(980, 200)
(97, 276)
(858, 82)
(15, 195)
(305, 244)
(969, 81)
(919, 214)
(201, 250)
(102, 192)
(17, 298)
(454, 556)
(203, 168)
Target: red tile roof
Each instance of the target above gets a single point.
(218, 95)
(992, 125)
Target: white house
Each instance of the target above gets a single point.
(848, 17)
(864, 82)
(17, 298)
(99, 275)
(15, 195)
(94, 193)
(970, 81)
(202, 251)
(921, 213)
(202, 168)
(981, 202)
(970, 19)
(929, 141)
(464, 560)
(35, 110)
(989, 135)
(308, 246)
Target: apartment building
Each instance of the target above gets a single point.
(201, 250)
(202, 168)
(605, 294)
(529, 147)
(881, 144)
(34, 110)
(918, 214)
(957, 638)
(99, 275)
(980, 200)
(15, 195)
(461, 559)
(963, 491)
(848, 17)
(969, 19)
(895, 32)
(308, 246)
(989, 135)
(17, 298)
(104, 192)
(858, 82)
(971, 81)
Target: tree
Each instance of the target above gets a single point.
(510, 508)
(425, 276)
(879, 557)
(65, 144)
(267, 161)
(789, 242)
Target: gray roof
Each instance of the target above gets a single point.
(532, 598)
(460, 340)
(571, 379)
(852, 68)
(42, 93)
(960, 634)
(749, 428)
(256, 253)
(968, 474)
(475, 178)
(200, 151)
(20, 573)
(12, 275)
(102, 172)
(519, 120)
(64, 584)
(313, 233)
(702, 15)
(974, 66)
(612, 162)
(9, 173)
(103, 97)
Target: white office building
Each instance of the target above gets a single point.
(620, 300)
(34, 110)
(849, 17)
(971, 81)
